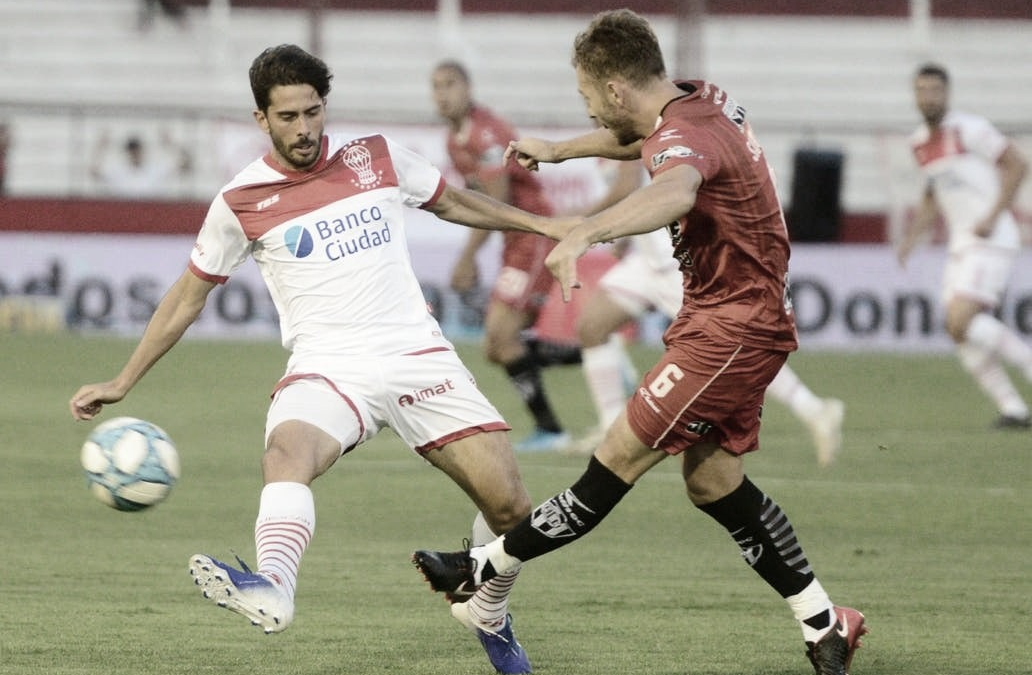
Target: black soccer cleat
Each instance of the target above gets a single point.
(1013, 422)
(451, 573)
(833, 653)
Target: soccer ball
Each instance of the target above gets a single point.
(130, 464)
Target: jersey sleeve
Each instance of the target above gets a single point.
(663, 151)
(419, 181)
(221, 245)
(982, 138)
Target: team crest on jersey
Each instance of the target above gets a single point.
(680, 151)
(358, 158)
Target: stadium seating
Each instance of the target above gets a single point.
(72, 68)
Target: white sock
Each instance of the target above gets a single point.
(490, 604)
(988, 332)
(604, 368)
(494, 551)
(282, 531)
(630, 371)
(983, 365)
(810, 602)
(790, 390)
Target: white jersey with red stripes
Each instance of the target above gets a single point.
(331, 245)
(959, 160)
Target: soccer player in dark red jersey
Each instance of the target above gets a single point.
(712, 188)
(477, 140)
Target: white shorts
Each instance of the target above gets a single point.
(979, 273)
(428, 399)
(637, 285)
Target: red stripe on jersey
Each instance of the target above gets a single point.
(943, 142)
(201, 274)
(363, 164)
(437, 194)
(431, 350)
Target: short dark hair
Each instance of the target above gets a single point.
(456, 67)
(286, 65)
(619, 42)
(934, 70)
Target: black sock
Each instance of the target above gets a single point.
(765, 537)
(552, 353)
(525, 374)
(569, 515)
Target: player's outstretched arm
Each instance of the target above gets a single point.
(530, 152)
(669, 197)
(474, 209)
(179, 308)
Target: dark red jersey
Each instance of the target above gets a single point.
(733, 245)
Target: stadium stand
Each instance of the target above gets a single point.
(71, 68)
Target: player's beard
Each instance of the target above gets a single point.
(623, 129)
(294, 153)
(933, 116)
(619, 124)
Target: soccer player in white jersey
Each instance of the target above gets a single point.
(973, 174)
(648, 277)
(323, 217)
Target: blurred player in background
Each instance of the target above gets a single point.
(648, 277)
(476, 144)
(323, 217)
(150, 10)
(973, 173)
(136, 173)
(712, 188)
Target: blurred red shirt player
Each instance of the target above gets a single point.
(476, 143)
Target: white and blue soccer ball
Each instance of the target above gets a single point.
(130, 464)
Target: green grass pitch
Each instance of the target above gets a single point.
(924, 524)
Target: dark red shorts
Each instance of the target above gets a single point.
(704, 389)
(523, 281)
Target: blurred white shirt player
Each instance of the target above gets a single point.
(139, 172)
(646, 278)
(973, 173)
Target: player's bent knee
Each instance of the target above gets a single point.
(300, 453)
(504, 515)
(504, 512)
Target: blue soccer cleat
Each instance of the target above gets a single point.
(544, 441)
(506, 654)
(504, 651)
(255, 596)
